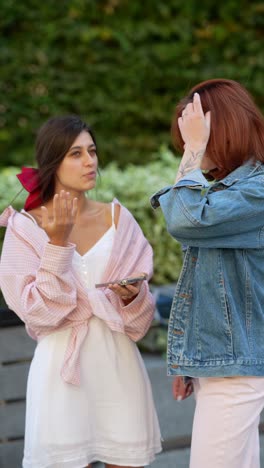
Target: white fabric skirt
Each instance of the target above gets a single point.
(110, 418)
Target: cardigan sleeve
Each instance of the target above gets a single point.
(41, 291)
(138, 314)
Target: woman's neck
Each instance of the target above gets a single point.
(84, 203)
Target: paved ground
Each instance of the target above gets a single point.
(172, 459)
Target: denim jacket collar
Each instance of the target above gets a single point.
(241, 172)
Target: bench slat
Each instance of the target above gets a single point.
(11, 454)
(13, 380)
(12, 420)
(15, 344)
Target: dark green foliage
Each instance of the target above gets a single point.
(120, 64)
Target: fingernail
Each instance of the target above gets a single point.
(179, 398)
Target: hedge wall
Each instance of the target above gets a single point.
(121, 64)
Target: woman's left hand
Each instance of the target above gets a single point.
(130, 291)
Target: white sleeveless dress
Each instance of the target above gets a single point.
(111, 417)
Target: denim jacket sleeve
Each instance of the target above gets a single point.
(214, 216)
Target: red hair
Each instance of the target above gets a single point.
(237, 125)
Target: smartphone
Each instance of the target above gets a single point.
(122, 282)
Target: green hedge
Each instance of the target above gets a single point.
(133, 187)
(120, 64)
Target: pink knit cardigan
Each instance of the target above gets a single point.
(41, 287)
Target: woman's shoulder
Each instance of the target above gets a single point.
(11, 217)
(33, 215)
(25, 226)
(6, 215)
(109, 209)
(20, 232)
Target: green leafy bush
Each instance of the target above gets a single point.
(120, 64)
(133, 187)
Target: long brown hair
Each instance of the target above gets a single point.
(53, 141)
(237, 125)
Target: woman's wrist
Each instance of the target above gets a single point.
(195, 147)
(129, 300)
(58, 242)
(191, 160)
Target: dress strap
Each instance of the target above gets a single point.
(24, 212)
(113, 214)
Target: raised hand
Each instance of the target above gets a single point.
(195, 131)
(194, 125)
(64, 216)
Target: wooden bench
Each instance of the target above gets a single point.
(16, 351)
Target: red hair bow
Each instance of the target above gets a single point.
(29, 178)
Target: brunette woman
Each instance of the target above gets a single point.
(88, 396)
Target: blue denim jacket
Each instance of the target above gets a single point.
(216, 325)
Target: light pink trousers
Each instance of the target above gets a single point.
(225, 428)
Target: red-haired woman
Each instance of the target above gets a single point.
(216, 208)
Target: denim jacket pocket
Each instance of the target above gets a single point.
(215, 322)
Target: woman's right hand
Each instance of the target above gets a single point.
(59, 227)
(194, 125)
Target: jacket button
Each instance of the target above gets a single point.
(174, 366)
(178, 332)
